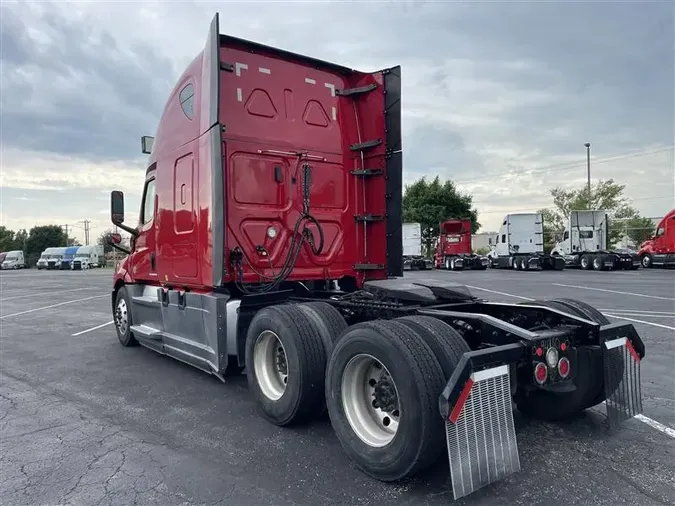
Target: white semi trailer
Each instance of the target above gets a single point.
(412, 248)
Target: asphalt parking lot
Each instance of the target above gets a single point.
(84, 421)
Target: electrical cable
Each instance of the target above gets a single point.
(297, 240)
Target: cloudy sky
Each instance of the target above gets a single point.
(498, 96)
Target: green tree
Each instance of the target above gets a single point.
(637, 229)
(6, 239)
(45, 236)
(554, 225)
(20, 239)
(103, 241)
(430, 203)
(605, 195)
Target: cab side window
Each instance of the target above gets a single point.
(148, 206)
(187, 100)
(566, 235)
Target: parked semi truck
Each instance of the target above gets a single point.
(453, 247)
(88, 257)
(13, 260)
(585, 244)
(412, 248)
(299, 280)
(520, 245)
(68, 256)
(659, 251)
(44, 257)
(55, 257)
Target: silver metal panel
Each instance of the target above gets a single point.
(622, 381)
(482, 445)
(232, 317)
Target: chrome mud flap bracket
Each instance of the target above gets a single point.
(477, 408)
(621, 369)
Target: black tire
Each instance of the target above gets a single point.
(524, 265)
(331, 323)
(646, 261)
(586, 309)
(123, 318)
(586, 262)
(447, 344)
(598, 262)
(419, 381)
(305, 357)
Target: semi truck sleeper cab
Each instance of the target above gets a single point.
(269, 238)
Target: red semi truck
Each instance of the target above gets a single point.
(659, 251)
(269, 241)
(453, 247)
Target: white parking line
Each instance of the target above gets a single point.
(628, 313)
(639, 311)
(640, 321)
(498, 293)
(657, 425)
(93, 328)
(53, 305)
(614, 291)
(49, 293)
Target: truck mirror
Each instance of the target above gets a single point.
(117, 207)
(146, 144)
(114, 239)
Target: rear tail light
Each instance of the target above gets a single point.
(540, 373)
(564, 367)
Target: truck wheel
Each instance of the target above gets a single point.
(589, 312)
(646, 261)
(447, 344)
(598, 262)
(586, 262)
(329, 320)
(524, 265)
(285, 364)
(382, 389)
(123, 318)
(447, 263)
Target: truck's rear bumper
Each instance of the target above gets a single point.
(476, 404)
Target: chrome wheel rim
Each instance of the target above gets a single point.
(270, 365)
(121, 316)
(370, 400)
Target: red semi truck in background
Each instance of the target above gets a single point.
(269, 240)
(659, 251)
(453, 247)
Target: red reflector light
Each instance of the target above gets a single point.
(563, 347)
(539, 352)
(540, 373)
(564, 367)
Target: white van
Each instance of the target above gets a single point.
(87, 257)
(14, 260)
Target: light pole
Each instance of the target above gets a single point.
(588, 169)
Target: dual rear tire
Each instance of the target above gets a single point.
(379, 381)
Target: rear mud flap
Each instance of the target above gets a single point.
(480, 432)
(621, 364)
